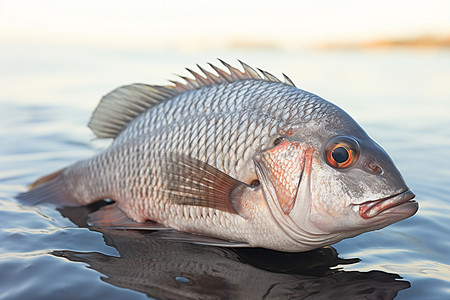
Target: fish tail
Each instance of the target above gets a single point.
(49, 189)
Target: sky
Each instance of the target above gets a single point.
(198, 24)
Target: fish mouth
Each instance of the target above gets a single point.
(397, 202)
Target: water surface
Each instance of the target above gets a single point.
(47, 93)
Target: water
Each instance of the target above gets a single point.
(47, 93)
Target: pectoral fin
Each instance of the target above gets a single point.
(193, 182)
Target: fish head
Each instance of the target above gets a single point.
(327, 180)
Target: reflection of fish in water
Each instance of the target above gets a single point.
(237, 157)
(165, 269)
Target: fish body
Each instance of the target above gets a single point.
(237, 157)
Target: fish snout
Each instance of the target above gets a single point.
(401, 203)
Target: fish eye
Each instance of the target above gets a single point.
(342, 152)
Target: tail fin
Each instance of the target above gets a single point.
(49, 189)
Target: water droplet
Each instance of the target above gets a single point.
(182, 279)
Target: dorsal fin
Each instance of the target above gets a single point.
(122, 105)
(125, 103)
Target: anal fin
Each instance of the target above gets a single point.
(111, 216)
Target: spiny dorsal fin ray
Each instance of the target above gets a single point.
(235, 73)
(224, 76)
(287, 80)
(268, 76)
(125, 103)
(249, 71)
(210, 76)
(202, 80)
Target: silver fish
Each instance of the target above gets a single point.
(234, 156)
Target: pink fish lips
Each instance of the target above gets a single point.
(402, 203)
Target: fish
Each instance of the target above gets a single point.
(233, 157)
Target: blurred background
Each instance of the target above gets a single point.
(200, 25)
(93, 46)
(387, 63)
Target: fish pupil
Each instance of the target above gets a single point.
(340, 155)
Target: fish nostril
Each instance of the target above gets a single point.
(374, 168)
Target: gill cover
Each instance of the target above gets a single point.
(285, 174)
